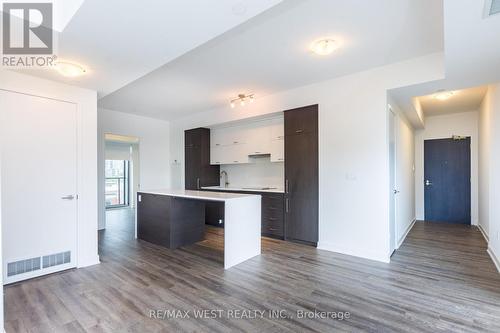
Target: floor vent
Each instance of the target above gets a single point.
(492, 7)
(56, 259)
(23, 266)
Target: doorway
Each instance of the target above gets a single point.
(392, 179)
(117, 187)
(121, 183)
(447, 180)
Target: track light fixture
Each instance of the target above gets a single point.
(242, 99)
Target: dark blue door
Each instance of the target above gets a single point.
(447, 180)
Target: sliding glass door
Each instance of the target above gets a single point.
(117, 183)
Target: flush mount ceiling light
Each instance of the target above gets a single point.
(443, 95)
(69, 69)
(242, 99)
(324, 46)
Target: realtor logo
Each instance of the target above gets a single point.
(27, 28)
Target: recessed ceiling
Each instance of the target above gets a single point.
(462, 101)
(271, 53)
(119, 41)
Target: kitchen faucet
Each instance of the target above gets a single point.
(224, 173)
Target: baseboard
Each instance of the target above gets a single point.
(484, 233)
(494, 258)
(400, 242)
(361, 253)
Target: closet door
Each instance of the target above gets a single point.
(39, 182)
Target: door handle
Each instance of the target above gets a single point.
(396, 191)
(286, 186)
(287, 205)
(198, 183)
(68, 197)
(428, 183)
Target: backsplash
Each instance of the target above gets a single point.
(261, 172)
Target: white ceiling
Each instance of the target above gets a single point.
(462, 101)
(268, 53)
(121, 40)
(472, 55)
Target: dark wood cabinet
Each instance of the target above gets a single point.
(168, 221)
(272, 215)
(198, 171)
(301, 175)
(272, 218)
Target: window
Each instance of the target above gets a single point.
(117, 183)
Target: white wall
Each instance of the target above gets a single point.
(353, 149)
(86, 101)
(485, 134)
(154, 158)
(442, 127)
(490, 165)
(405, 174)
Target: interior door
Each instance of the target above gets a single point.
(447, 181)
(39, 182)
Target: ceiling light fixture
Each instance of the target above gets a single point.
(69, 69)
(242, 98)
(324, 46)
(443, 95)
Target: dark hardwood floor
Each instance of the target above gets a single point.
(440, 280)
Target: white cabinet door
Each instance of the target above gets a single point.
(260, 142)
(219, 137)
(235, 154)
(216, 154)
(238, 135)
(277, 129)
(39, 176)
(278, 150)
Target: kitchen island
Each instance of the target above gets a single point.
(174, 218)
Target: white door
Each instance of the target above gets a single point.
(39, 185)
(392, 187)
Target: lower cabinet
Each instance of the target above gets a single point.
(272, 213)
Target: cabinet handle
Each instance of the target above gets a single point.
(280, 159)
(198, 183)
(286, 186)
(235, 161)
(287, 204)
(235, 142)
(272, 219)
(273, 229)
(299, 131)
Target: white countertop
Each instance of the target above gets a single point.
(204, 195)
(221, 188)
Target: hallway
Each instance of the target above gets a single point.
(440, 280)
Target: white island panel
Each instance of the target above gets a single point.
(242, 230)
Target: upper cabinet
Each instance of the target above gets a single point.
(235, 144)
(198, 171)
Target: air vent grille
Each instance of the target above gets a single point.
(56, 259)
(495, 7)
(23, 266)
